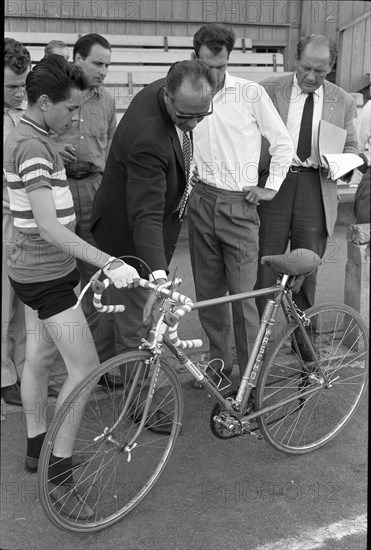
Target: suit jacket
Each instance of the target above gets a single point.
(339, 109)
(142, 183)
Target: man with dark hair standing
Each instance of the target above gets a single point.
(138, 208)
(222, 215)
(304, 210)
(84, 149)
(17, 65)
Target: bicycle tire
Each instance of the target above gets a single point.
(340, 340)
(108, 480)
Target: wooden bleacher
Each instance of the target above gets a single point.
(137, 60)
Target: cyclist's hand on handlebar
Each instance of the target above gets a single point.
(150, 311)
(121, 274)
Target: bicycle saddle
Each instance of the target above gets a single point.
(296, 262)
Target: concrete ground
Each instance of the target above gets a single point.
(240, 495)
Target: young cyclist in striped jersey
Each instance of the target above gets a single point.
(42, 267)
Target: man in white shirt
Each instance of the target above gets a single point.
(303, 213)
(222, 209)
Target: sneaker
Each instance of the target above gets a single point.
(12, 395)
(70, 503)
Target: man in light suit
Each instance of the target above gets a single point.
(136, 209)
(304, 210)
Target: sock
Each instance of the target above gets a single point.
(34, 445)
(60, 470)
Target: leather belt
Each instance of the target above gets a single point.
(294, 168)
(80, 170)
(81, 176)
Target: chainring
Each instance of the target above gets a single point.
(218, 411)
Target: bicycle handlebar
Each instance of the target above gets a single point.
(161, 290)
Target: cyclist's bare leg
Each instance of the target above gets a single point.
(75, 343)
(40, 351)
(69, 333)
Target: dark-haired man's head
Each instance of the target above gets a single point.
(54, 89)
(17, 65)
(213, 44)
(315, 57)
(190, 86)
(92, 52)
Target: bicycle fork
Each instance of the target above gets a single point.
(128, 446)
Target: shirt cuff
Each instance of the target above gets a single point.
(273, 182)
(158, 274)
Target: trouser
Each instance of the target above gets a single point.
(83, 193)
(119, 332)
(223, 240)
(13, 331)
(295, 215)
(362, 199)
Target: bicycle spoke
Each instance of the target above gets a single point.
(340, 344)
(114, 478)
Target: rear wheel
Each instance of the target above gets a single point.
(302, 423)
(109, 478)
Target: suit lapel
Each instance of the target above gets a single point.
(328, 102)
(176, 146)
(283, 97)
(172, 130)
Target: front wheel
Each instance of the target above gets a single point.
(299, 422)
(109, 477)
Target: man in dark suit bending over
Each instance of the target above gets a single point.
(138, 207)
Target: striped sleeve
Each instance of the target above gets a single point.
(35, 167)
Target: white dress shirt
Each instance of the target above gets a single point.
(227, 143)
(294, 117)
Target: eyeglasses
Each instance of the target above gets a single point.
(186, 116)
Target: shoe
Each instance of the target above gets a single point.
(304, 352)
(227, 371)
(155, 422)
(52, 392)
(69, 501)
(12, 395)
(109, 381)
(31, 464)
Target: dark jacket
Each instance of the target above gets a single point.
(142, 184)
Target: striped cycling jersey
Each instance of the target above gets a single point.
(31, 162)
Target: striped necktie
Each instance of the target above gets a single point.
(187, 155)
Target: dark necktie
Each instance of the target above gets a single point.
(305, 135)
(187, 155)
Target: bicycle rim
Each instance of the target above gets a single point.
(110, 478)
(340, 340)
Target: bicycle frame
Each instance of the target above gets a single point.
(282, 297)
